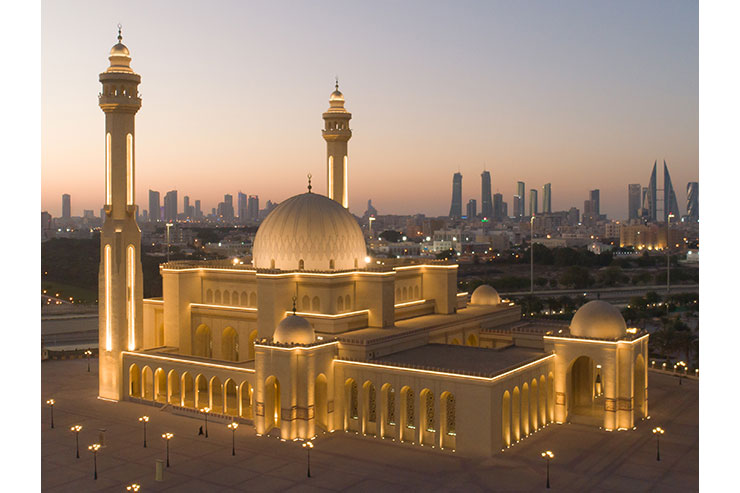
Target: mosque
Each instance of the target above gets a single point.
(310, 337)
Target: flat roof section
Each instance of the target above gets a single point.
(463, 359)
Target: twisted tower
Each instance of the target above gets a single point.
(120, 290)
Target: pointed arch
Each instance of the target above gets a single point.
(201, 392)
(173, 388)
(216, 395)
(188, 392)
(515, 415)
(640, 388)
(524, 418)
(427, 420)
(533, 401)
(217, 297)
(231, 398)
(316, 304)
(202, 344)
(543, 400)
(506, 420)
(253, 300)
(134, 381)
(209, 296)
(320, 401)
(227, 297)
(245, 400)
(408, 414)
(389, 410)
(147, 384)
(244, 299)
(230, 344)
(272, 403)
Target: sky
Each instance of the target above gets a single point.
(579, 94)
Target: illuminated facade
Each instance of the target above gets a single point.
(313, 337)
(337, 133)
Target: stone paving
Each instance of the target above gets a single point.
(586, 458)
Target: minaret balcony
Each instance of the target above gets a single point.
(122, 101)
(335, 134)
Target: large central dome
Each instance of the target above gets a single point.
(309, 232)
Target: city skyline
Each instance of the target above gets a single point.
(598, 124)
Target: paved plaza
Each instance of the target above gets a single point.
(586, 458)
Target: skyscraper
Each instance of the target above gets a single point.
(486, 207)
(253, 208)
(520, 193)
(516, 206)
(533, 202)
(154, 207)
(241, 207)
(337, 133)
(456, 207)
(472, 209)
(66, 206)
(651, 200)
(595, 206)
(670, 204)
(498, 207)
(170, 206)
(228, 208)
(634, 192)
(187, 209)
(198, 212)
(692, 201)
(546, 198)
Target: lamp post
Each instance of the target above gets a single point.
(205, 411)
(233, 426)
(308, 446)
(76, 429)
(547, 455)
(94, 449)
(531, 255)
(133, 487)
(50, 402)
(168, 437)
(88, 353)
(145, 420)
(657, 432)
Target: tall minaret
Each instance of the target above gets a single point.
(336, 132)
(120, 290)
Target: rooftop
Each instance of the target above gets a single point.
(463, 359)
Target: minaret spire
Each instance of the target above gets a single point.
(337, 133)
(120, 38)
(309, 183)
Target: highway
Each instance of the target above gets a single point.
(610, 294)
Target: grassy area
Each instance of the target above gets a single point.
(65, 291)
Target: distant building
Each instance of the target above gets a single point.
(611, 229)
(692, 201)
(498, 207)
(650, 203)
(66, 206)
(471, 209)
(456, 206)
(519, 212)
(154, 206)
(516, 206)
(574, 216)
(634, 204)
(595, 202)
(198, 211)
(533, 202)
(46, 230)
(170, 206)
(547, 198)
(486, 207)
(670, 204)
(253, 208)
(241, 207)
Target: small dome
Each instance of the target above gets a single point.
(336, 96)
(294, 329)
(120, 58)
(309, 232)
(485, 295)
(598, 319)
(119, 49)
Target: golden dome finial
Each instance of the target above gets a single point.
(309, 183)
(120, 38)
(336, 82)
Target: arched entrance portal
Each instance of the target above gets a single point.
(640, 388)
(582, 399)
(319, 401)
(272, 403)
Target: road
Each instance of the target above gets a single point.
(607, 294)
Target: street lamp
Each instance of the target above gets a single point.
(145, 420)
(88, 353)
(205, 411)
(50, 402)
(168, 437)
(233, 426)
(657, 432)
(308, 446)
(94, 449)
(133, 487)
(76, 429)
(547, 455)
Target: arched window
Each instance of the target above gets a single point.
(230, 344)
(340, 304)
(416, 292)
(209, 296)
(350, 387)
(427, 400)
(217, 298)
(316, 304)
(234, 298)
(331, 264)
(347, 303)
(301, 264)
(272, 263)
(227, 297)
(404, 297)
(253, 299)
(243, 301)
(306, 303)
(134, 381)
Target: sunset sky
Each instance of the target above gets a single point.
(581, 94)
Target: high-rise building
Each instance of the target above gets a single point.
(241, 207)
(651, 199)
(120, 292)
(170, 206)
(486, 207)
(533, 202)
(634, 191)
(516, 206)
(228, 211)
(198, 212)
(670, 204)
(595, 206)
(504, 210)
(547, 198)
(456, 206)
(188, 210)
(154, 206)
(66, 206)
(692, 201)
(253, 208)
(520, 193)
(498, 207)
(472, 209)
(337, 133)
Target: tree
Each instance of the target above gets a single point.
(391, 236)
(577, 277)
(612, 276)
